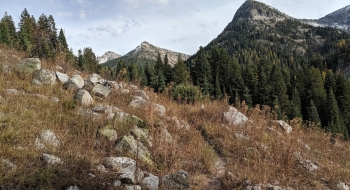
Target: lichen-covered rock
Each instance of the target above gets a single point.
(126, 168)
(44, 77)
(161, 110)
(95, 78)
(129, 146)
(137, 102)
(110, 134)
(142, 135)
(83, 97)
(101, 91)
(28, 66)
(142, 94)
(76, 82)
(51, 159)
(150, 182)
(234, 117)
(62, 77)
(178, 180)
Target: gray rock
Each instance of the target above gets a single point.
(55, 99)
(133, 87)
(83, 97)
(311, 167)
(129, 146)
(142, 94)
(59, 68)
(102, 109)
(48, 138)
(95, 78)
(125, 91)
(234, 117)
(160, 109)
(73, 188)
(6, 69)
(150, 182)
(7, 165)
(178, 180)
(132, 187)
(44, 77)
(62, 77)
(112, 85)
(13, 91)
(117, 183)
(180, 124)
(51, 159)
(101, 91)
(288, 129)
(88, 85)
(126, 168)
(137, 102)
(28, 66)
(342, 186)
(76, 82)
(166, 136)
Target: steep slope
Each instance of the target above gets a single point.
(109, 55)
(338, 19)
(147, 52)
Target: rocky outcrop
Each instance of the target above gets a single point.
(62, 77)
(44, 77)
(109, 55)
(84, 98)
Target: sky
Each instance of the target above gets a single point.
(177, 25)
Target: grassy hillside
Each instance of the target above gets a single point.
(215, 154)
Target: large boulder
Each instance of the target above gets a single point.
(234, 117)
(150, 182)
(28, 66)
(126, 168)
(178, 180)
(95, 78)
(129, 146)
(44, 77)
(101, 91)
(137, 102)
(62, 77)
(142, 135)
(84, 97)
(76, 82)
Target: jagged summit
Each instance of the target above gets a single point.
(254, 10)
(109, 55)
(338, 19)
(146, 52)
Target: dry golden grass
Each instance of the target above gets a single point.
(268, 156)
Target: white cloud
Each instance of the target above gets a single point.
(82, 2)
(82, 14)
(64, 14)
(115, 31)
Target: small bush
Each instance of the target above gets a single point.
(187, 93)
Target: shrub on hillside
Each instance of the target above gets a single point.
(187, 93)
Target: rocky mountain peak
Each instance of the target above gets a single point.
(109, 55)
(254, 10)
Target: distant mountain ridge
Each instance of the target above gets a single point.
(339, 19)
(147, 52)
(109, 55)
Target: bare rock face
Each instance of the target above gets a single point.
(84, 98)
(44, 77)
(109, 55)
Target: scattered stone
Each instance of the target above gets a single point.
(88, 85)
(342, 186)
(307, 164)
(6, 69)
(110, 134)
(12, 91)
(125, 91)
(160, 109)
(76, 82)
(28, 66)
(59, 68)
(142, 94)
(51, 159)
(126, 169)
(84, 98)
(62, 77)
(48, 138)
(44, 77)
(128, 145)
(7, 165)
(166, 136)
(150, 182)
(137, 102)
(95, 78)
(121, 116)
(285, 126)
(234, 117)
(241, 136)
(112, 85)
(55, 99)
(101, 91)
(132, 187)
(180, 124)
(133, 87)
(117, 183)
(103, 109)
(178, 180)
(73, 188)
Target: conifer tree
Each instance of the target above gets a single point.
(201, 72)
(181, 74)
(168, 71)
(295, 111)
(312, 114)
(63, 46)
(335, 125)
(279, 89)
